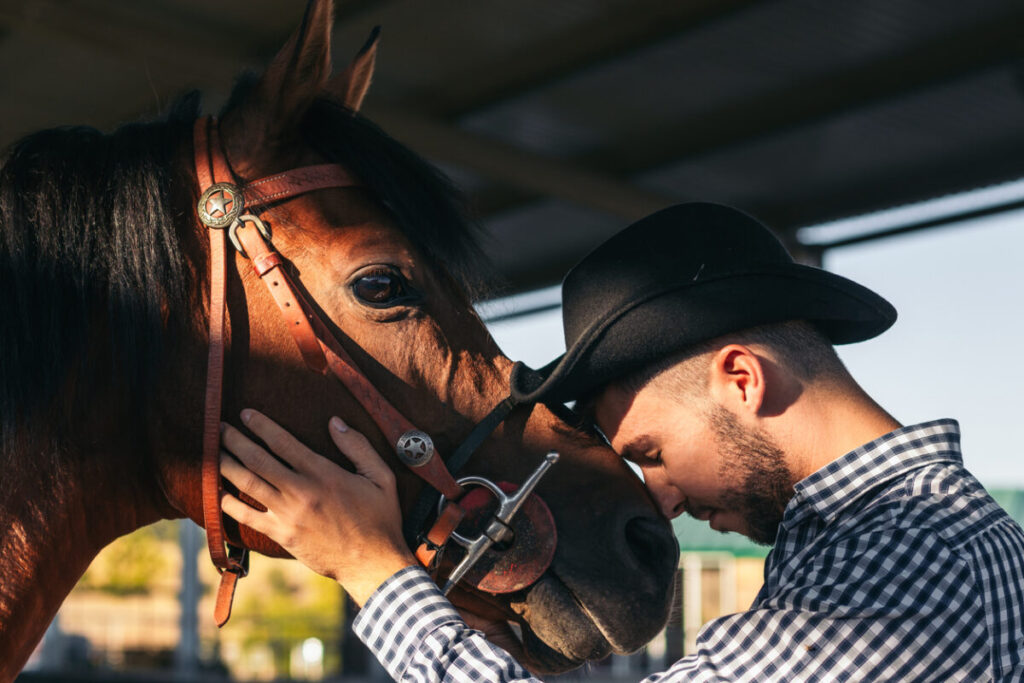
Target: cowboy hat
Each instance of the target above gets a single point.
(681, 276)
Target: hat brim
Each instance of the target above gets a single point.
(662, 323)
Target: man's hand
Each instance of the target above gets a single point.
(343, 525)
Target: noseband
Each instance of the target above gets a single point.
(529, 539)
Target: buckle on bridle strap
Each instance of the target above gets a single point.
(238, 567)
(240, 223)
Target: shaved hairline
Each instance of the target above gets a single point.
(798, 346)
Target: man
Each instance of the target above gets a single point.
(704, 354)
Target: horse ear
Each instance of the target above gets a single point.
(298, 74)
(350, 85)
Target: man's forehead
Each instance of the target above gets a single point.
(631, 419)
(610, 407)
(626, 430)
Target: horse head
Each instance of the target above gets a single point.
(390, 265)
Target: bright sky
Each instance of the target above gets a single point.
(957, 349)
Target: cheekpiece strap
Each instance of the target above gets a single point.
(221, 205)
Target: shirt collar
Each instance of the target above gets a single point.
(843, 481)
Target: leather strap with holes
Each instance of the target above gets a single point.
(211, 168)
(230, 561)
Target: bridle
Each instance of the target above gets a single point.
(227, 209)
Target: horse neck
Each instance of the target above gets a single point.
(58, 508)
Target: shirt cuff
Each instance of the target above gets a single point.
(399, 615)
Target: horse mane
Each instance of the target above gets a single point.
(90, 249)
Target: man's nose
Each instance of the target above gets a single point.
(667, 497)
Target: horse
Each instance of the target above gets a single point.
(103, 270)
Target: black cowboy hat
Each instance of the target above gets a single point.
(682, 276)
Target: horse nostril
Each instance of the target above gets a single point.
(652, 543)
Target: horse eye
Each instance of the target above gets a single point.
(381, 288)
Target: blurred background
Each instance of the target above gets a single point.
(882, 140)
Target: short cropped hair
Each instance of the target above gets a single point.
(798, 346)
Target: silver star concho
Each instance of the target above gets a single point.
(415, 448)
(220, 205)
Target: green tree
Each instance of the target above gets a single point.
(129, 565)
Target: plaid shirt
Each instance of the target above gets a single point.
(891, 563)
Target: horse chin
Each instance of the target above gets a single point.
(554, 634)
(558, 633)
(543, 660)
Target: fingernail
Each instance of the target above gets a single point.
(246, 415)
(223, 426)
(337, 425)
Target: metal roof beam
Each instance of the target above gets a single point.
(516, 167)
(957, 54)
(899, 186)
(630, 27)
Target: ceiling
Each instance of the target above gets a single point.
(565, 120)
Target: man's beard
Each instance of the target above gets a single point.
(765, 483)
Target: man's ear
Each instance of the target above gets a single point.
(351, 85)
(738, 379)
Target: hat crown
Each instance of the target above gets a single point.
(682, 276)
(673, 248)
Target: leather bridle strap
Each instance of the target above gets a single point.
(206, 174)
(211, 169)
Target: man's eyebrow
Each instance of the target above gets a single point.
(637, 447)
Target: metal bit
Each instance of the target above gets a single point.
(498, 529)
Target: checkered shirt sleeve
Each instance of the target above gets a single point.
(418, 636)
(892, 563)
